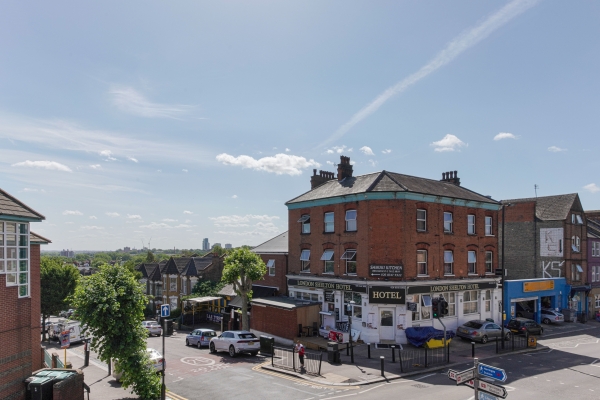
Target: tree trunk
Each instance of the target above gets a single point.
(245, 326)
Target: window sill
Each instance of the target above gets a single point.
(448, 233)
(490, 235)
(448, 274)
(422, 276)
(271, 275)
(328, 273)
(472, 274)
(490, 273)
(421, 231)
(350, 274)
(471, 234)
(328, 232)
(305, 272)
(304, 233)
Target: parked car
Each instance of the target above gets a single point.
(519, 326)
(157, 362)
(549, 316)
(153, 328)
(200, 337)
(481, 331)
(523, 310)
(235, 342)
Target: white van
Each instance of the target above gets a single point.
(74, 327)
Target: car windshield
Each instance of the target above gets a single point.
(208, 333)
(473, 324)
(247, 336)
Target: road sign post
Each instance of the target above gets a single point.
(464, 376)
(472, 378)
(165, 310)
(492, 372)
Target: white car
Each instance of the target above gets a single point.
(235, 342)
(156, 362)
(153, 328)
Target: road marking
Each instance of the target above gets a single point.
(175, 396)
(259, 368)
(289, 387)
(344, 395)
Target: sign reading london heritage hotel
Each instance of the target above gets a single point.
(386, 271)
(346, 287)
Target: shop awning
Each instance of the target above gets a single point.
(203, 299)
(580, 288)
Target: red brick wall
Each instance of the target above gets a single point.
(69, 389)
(275, 321)
(36, 310)
(387, 234)
(279, 279)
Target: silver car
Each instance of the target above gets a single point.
(549, 316)
(200, 337)
(153, 328)
(481, 331)
(235, 342)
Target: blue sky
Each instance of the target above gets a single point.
(171, 122)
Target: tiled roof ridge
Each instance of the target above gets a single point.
(274, 237)
(328, 182)
(19, 202)
(526, 199)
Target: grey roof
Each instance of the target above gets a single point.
(552, 208)
(10, 206)
(288, 303)
(593, 229)
(147, 269)
(385, 181)
(278, 244)
(34, 238)
(227, 291)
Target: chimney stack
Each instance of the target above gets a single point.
(344, 168)
(322, 177)
(451, 177)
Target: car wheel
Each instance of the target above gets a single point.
(254, 353)
(212, 348)
(546, 321)
(231, 351)
(187, 342)
(484, 339)
(199, 344)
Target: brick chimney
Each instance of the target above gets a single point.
(321, 178)
(344, 168)
(451, 177)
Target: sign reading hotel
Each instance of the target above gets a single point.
(386, 271)
(386, 295)
(451, 288)
(346, 287)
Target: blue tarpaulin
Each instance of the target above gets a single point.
(418, 336)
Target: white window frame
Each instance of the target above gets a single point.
(579, 219)
(471, 224)
(305, 260)
(416, 315)
(271, 267)
(448, 222)
(597, 300)
(422, 263)
(183, 285)
(329, 226)
(595, 249)
(426, 307)
(350, 257)
(472, 262)
(469, 302)
(15, 258)
(422, 219)
(173, 283)
(488, 226)
(487, 300)
(448, 262)
(173, 302)
(328, 261)
(351, 225)
(576, 243)
(489, 262)
(305, 221)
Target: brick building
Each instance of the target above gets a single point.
(593, 248)
(274, 253)
(546, 237)
(379, 247)
(20, 327)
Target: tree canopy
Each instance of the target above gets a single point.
(58, 281)
(241, 268)
(111, 303)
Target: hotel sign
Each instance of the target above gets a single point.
(386, 295)
(386, 271)
(346, 287)
(538, 286)
(455, 287)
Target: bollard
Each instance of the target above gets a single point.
(86, 362)
(513, 342)
(496, 345)
(347, 349)
(368, 350)
(400, 360)
(382, 360)
(448, 352)
(473, 349)
(393, 354)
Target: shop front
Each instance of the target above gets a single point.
(527, 297)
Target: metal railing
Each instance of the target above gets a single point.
(516, 342)
(414, 359)
(47, 359)
(288, 359)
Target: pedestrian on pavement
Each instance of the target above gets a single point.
(300, 351)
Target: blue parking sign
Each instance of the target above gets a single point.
(165, 310)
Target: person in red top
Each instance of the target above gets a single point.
(300, 351)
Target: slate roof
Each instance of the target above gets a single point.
(10, 206)
(34, 238)
(593, 229)
(278, 244)
(552, 208)
(147, 269)
(385, 181)
(227, 291)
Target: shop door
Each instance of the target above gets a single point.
(386, 324)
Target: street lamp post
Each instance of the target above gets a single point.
(352, 302)
(503, 274)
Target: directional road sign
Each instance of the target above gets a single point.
(492, 372)
(496, 390)
(485, 396)
(465, 376)
(452, 374)
(165, 310)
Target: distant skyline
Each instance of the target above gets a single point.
(134, 122)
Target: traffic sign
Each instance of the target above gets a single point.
(492, 372)
(485, 396)
(165, 310)
(465, 376)
(65, 339)
(452, 374)
(496, 390)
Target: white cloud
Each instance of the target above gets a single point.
(279, 164)
(93, 217)
(233, 221)
(187, 212)
(330, 151)
(329, 162)
(155, 225)
(33, 190)
(592, 187)
(288, 150)
(52, 165)
(133, 159)
(367, 150)
(92, 227)
(159, 170)
(129, 100)
(448, 143)
(69, 223)
(555, 149)
(96, 166)
(108, 155)
(386, 151)
(187, 221)
(457, 46)
(234, 196)
(169, 220)
(504, 135)
(112, 214)
(184, 170)
(70, 212)
(133, 216)
(184, 226)
(373, 162)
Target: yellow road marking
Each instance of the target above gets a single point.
(175, 396)
(258, 368)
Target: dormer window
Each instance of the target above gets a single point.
(305, 221)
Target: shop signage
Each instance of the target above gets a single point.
(538, 286)
(386, 271)
(455, 287)
(329, 296)
(346, 287)
(386, 295)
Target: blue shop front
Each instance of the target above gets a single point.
(526, 297)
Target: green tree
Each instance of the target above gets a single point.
(99, 259)
(149, 257)
(58, 281)
(206, 288)
(111, 303)
(241, 268)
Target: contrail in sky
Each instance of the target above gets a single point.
(461, 43)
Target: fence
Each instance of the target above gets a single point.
(47, 359)
(288, 359)
(516, 342)
(417, 358)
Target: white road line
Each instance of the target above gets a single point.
(338, 397)
(289, 387)
(365, 391)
